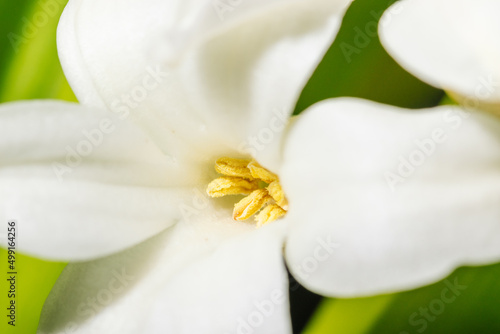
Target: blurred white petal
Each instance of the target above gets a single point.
(230, 78)
(163, 286)
(353, 232)
(81, 183)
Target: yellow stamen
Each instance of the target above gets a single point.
(249, 205)
(233, 167)
(277, 194)
(247, 177)
(230, 185)
(268, 214)
(259, 172)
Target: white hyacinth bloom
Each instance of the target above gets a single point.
(170, 87)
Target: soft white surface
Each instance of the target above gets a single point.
(184, 280)
(381, 239)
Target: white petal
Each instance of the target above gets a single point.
(229, 76)
(182, 281)
(358, 230)
(81, 183)
(450, 44)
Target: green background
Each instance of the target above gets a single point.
(355, 65)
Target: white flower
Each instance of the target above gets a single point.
(183, 85)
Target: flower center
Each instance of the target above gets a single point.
(247, 177)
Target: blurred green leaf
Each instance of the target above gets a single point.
(29, 65)
(473, 307)
(11, 13)
(464, 303)
(35, 279)
(347, 316)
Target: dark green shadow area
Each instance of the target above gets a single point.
(29, 66)
(12, 15)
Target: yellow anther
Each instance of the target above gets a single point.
(269, 214)
(249, 205)
(233, 167)
(247, 177)
(259, 172)
(230, 185)
(277, 194)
